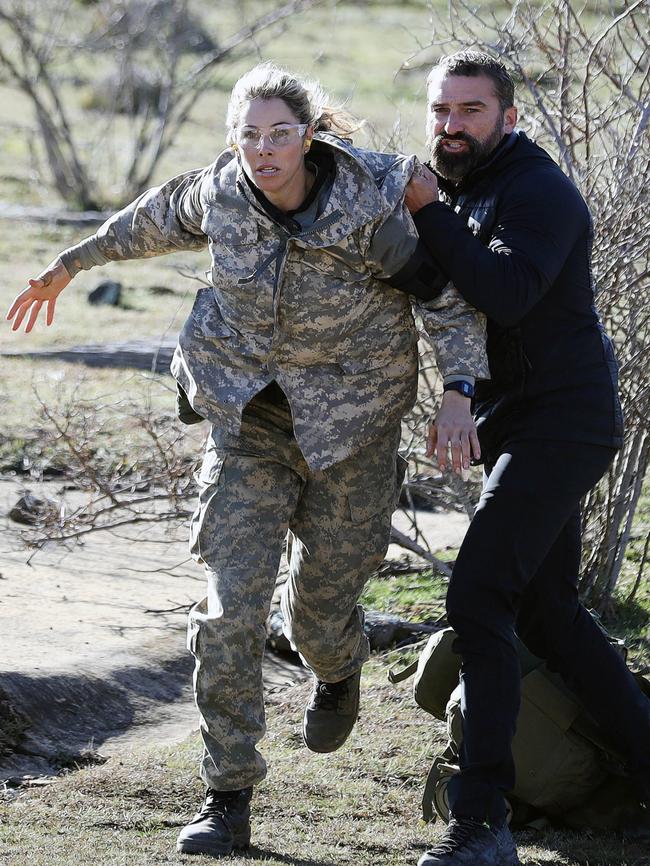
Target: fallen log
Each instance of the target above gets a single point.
(137, 354)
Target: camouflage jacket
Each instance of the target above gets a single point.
(309, 310)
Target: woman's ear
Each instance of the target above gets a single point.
(309, 134)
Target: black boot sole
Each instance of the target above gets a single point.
(215, 849)
(323, 748)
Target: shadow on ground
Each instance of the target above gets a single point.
(60, 720)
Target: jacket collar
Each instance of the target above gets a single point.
(359, 194)
(322, 165)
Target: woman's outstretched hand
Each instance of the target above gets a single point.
(45, 289)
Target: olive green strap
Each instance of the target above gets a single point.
(397, 676)
(428, 814)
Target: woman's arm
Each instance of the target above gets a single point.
(162, 220)
(457, 334)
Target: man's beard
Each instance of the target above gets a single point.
(456, 166)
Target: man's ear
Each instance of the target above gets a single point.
(509, 119)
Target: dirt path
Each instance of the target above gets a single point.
(92, 641)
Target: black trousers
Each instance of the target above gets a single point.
(517, 572)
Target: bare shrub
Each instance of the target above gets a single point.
(109, 479)
(125, 461)
(40, 44)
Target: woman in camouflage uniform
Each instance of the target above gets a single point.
(302, 355)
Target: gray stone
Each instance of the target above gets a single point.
(32, 510)
(107, 292)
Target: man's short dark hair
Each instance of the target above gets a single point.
(474, 63)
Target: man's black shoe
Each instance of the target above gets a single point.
(331, 713)
(222, 826)
(467, 842)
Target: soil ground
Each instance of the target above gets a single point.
(92, 639)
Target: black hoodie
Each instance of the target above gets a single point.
(515, 238)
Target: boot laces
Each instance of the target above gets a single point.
(327, 696)
(459, 832)
(218, 803)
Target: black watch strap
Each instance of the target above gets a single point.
(463, 387)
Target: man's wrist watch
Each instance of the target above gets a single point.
(463, 387)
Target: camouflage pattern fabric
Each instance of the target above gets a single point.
(254, 487)
(307, 310)
(310, 312)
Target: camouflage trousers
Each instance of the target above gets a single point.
(254, 489)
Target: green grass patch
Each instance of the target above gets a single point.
(416, 597)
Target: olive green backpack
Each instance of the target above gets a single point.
(566, 770)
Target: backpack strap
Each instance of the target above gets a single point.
(397, 676)
(434, 797)
(428, 815)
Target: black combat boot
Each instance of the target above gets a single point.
(222, 826)
(331, 713)
(467, 842)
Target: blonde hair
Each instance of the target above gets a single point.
(305, 98)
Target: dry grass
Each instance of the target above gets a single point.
(358, 806)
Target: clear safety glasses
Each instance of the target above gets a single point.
(279, 136)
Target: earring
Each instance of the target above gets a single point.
(307, 146)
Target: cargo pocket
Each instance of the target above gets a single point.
(363, 506)
(210, 480)
(378, 493)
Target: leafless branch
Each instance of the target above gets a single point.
(40, 51)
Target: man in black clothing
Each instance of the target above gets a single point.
(514, 235)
